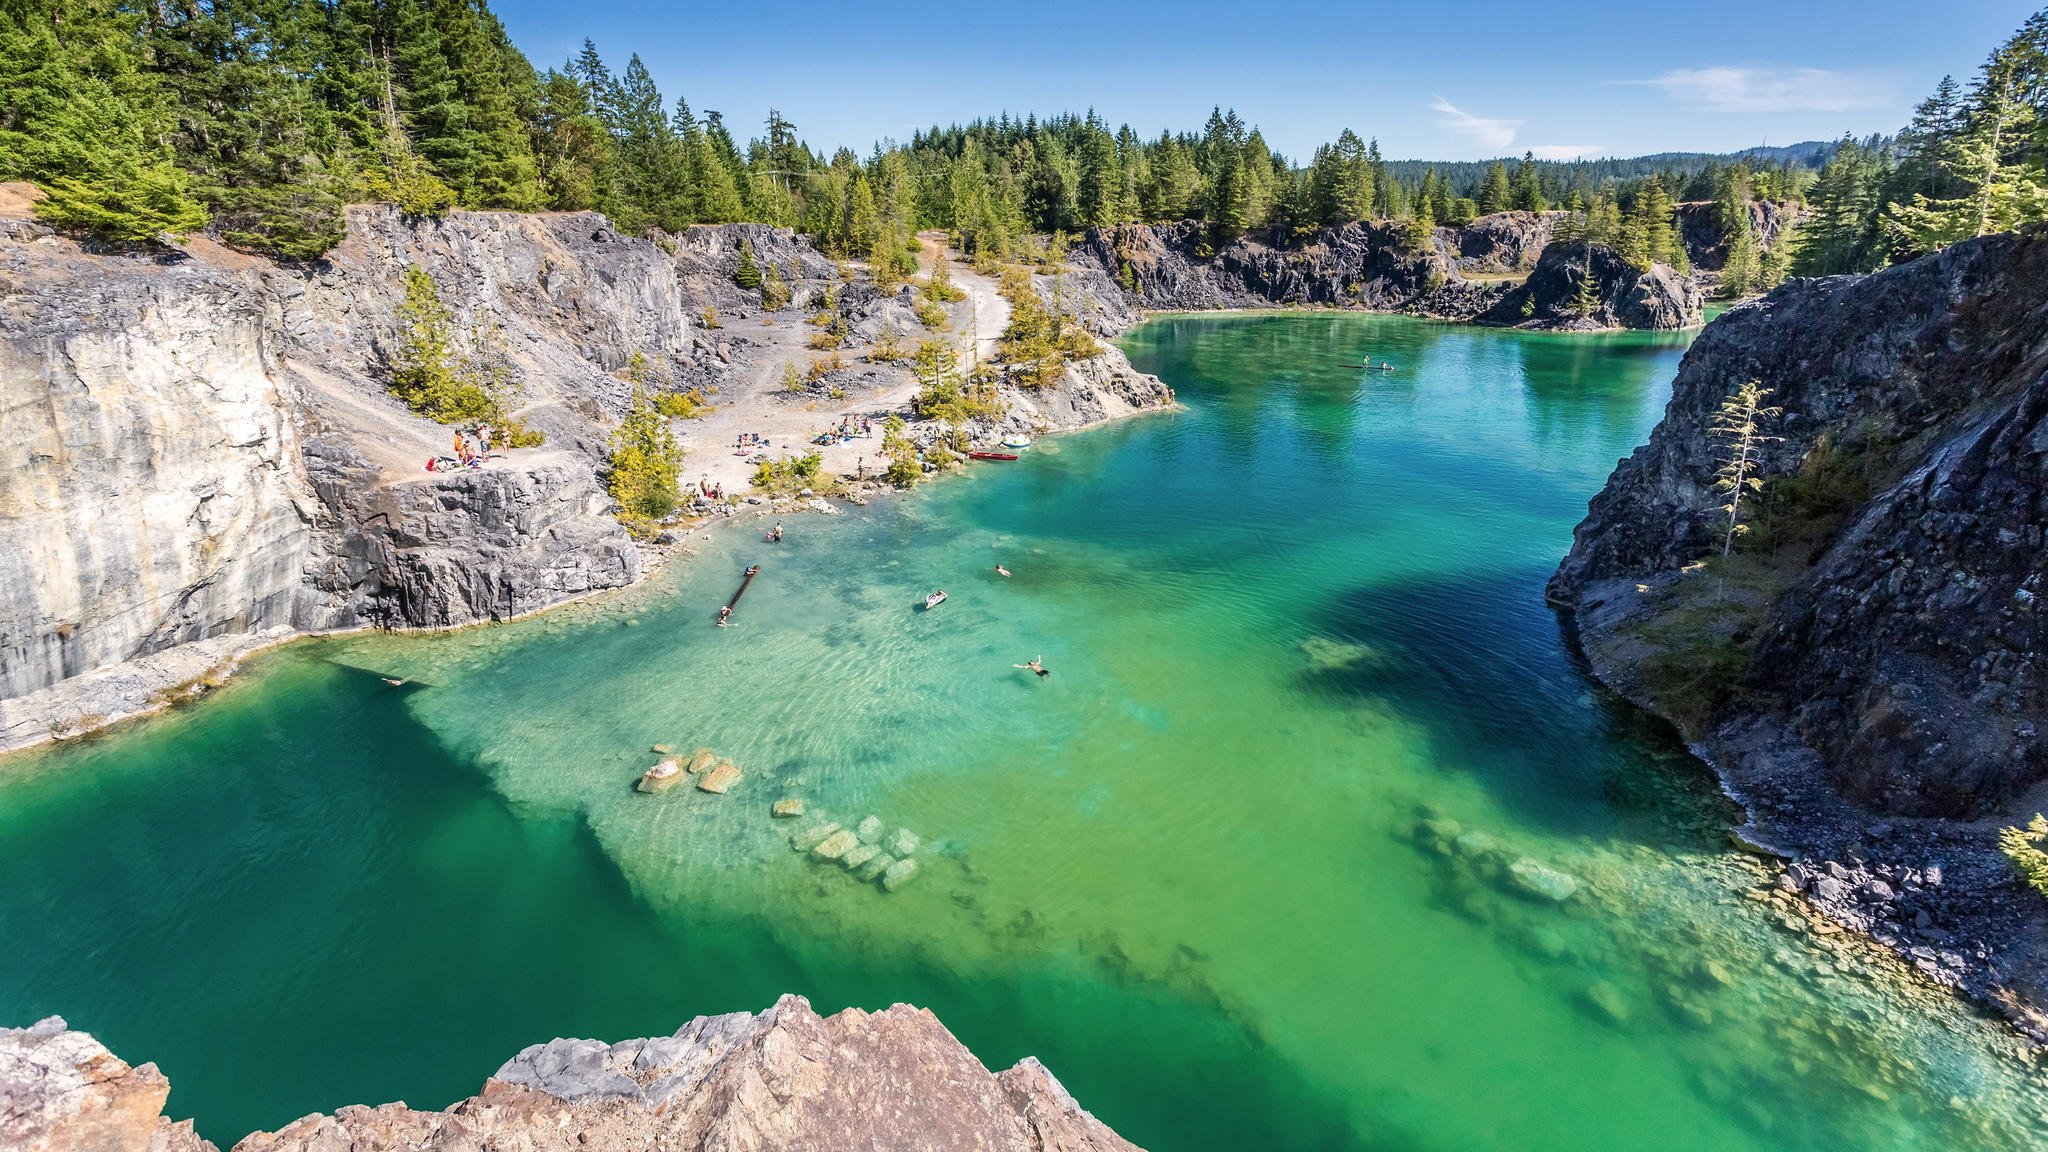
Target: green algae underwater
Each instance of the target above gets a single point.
(1286, 625)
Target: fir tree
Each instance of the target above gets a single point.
(747, 274)
(1495, 195)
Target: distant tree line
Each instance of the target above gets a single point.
(257, 120)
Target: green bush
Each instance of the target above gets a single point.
(789, 474)
(2023, 846)
(644, 462)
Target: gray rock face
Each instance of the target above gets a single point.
(1895, 663)
(1706, 238)
(782, 1079)
(1907, 651)
(151, 493)
(1369, 265)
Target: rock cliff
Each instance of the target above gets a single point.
(153, 493)
(1620, 296)
(1371, 265)
(785, 1078)
(1866, 669)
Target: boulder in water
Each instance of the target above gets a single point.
(835, 846)
(1606, 1002)
(813, 836)
(721, 777)
(898, 874)
(1327, 655)
(1532, 878)
(789, 807)
(877, 864)
(858, 855)
(662, 749)
(903, 842)
(701, 759)
(870, 830)
(661, 777)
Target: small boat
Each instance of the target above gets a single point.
(991, 455)
(1016, 442)
(934, 600)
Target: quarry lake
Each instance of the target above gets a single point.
(1272, 859)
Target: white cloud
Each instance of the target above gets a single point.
(1568, 151)
(1730, 89)
(1495, 134)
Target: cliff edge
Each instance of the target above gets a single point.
(785, 1078)
(1865, 668)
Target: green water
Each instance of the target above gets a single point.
(1282, 624)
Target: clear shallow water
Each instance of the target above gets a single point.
(1283, 624)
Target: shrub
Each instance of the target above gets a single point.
(747, 274)
(710, 316)
(774, 291)
(888, 349)
(792, 380)
(931, 315)
(2023, 846)
(789, 474)
(681, 405)
(644, 463)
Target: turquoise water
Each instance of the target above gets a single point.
(1284, 624)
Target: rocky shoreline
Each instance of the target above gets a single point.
(783, 1078)
(1864, 678)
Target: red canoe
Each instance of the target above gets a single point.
(991, 455)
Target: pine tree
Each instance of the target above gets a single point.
(644, 462)
(1495, 195)
(1527, 192)
(86, 121)
(747, 274)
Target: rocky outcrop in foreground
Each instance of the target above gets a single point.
(1371, 265)
(785, 1078)
(1867, 672)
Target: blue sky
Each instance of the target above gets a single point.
(1459, 80)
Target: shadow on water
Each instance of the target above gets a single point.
(298, 898)
(1482, 668)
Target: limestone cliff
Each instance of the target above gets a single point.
(1372, 265)
(782, 1079)
(1866, 670)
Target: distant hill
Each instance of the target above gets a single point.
(1466, 174)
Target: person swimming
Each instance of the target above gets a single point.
(1036, 665)
(394, 683)
(724, 614)
(1002, 571)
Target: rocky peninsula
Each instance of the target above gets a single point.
(213, 460)
(783, 1078)
(1865, 670)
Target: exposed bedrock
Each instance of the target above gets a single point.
(784, 1078)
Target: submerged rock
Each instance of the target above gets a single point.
(903, 842)
(898, 874)
(720, 778)
(1606, 1002)
(875, 865)
(701, 759)
(836, 845)
(858, 855)
(1327, 655)
(1532, 878)
(662, 776)
(813, 836)
(789, 807)
(870, 829)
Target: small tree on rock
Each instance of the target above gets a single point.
(1736, 425)
(747, 274)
